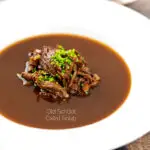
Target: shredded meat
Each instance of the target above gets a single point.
(52, 87)
(58, 73)
(45, 60)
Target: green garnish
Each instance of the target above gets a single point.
(40, 78)
(63, 57)
(60, 47)
(51, 79)
(57, 75)
(34, 70)
(46, 78)
(43, 72)
(63, 71)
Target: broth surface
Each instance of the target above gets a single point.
(19, 103)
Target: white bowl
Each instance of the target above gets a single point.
(123, 29)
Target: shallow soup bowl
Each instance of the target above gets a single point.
(118, 28)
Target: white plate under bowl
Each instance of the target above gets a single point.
(123, 29)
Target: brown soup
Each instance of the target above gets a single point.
(19, 103)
